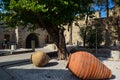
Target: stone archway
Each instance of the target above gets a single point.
(30, 37)
(6, 38)
(6, 42)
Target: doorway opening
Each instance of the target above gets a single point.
(30, 37)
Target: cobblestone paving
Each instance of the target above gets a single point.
(55, 70)
(115, 68)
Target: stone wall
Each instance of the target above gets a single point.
(76, 38)
(18, 36)
(6, 32)
(24, 33)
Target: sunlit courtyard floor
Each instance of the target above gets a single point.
(19, 67)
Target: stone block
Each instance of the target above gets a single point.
(115, 54)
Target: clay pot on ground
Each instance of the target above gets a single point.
(86, 66)
(40, 59)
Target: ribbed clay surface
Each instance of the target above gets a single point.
(86, 66)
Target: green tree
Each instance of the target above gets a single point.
(70, 28)
(104, 6)
(49, 14)
(89, 14)
(91, 35)
(116, 19)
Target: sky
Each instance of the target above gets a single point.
(1, 6)
(103, 12)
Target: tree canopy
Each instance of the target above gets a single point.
(48, 14)
(40, 12)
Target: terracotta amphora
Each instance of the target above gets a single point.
(86, 66)
(40, 59)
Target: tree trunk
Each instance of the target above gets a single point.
(107, 8)
(84, 39)
(107, 38)
(70, 34)
(107, 34)
(62, 53)
(85, 30)
(57, 34)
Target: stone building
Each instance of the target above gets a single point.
(110, 26)
(76, 38)
(22, 37)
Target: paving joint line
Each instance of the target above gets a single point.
(12, 77)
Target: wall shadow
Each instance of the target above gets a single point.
(102, 53)
(23, 70)
(14, 63)
(41, 74)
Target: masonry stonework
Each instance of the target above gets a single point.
(22, 37)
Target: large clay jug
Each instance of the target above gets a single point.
(84, 65)
(39, 58)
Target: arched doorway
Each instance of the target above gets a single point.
(6, 42)
(32, 36)
(6, 38)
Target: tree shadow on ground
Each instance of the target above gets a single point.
(54, 74)
(25, 71)
(15, 62)
(40, 74)
(51, 64)
(44, 74)
(23, 62)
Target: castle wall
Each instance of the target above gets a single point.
(18, 36)
(9, 33)
(24, 33)
(76, 39)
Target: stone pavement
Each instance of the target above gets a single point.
(18, 67)
(23, 50)
(11, 60)
(4, 75)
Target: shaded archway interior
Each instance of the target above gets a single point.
(6, 38)
(34, 37)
